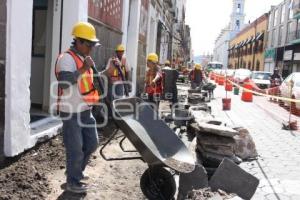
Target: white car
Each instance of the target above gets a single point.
(261, 79)
(240, 75)
(230, 72)
(294, 93)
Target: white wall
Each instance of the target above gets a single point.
(125, 21)
(132, 39)
(74, 11)
(17, 80)
(152, 30)
(17, 136)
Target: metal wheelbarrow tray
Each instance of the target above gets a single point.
(157, 144)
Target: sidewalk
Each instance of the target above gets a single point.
(278, 164)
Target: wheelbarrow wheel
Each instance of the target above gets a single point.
(158, 184)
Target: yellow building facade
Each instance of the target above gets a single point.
(246, 49)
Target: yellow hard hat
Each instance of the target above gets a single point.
(85, 31)
(152, 57)
(198, 66)
(120, 47)
(167, 62)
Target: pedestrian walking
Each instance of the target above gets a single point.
(153, 81)
(77, 94)
(119, 74)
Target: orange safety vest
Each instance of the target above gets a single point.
(158, 88)
(85, 82)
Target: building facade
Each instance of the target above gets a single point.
(236, 24)
(247, 47)
(27, 61)
(281, 30)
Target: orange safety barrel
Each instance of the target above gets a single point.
(221, 80)
(217, 78)
(228, 85)
(247, 96)
(212, 76)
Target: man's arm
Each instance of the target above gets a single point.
(67, 78)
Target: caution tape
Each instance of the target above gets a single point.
(259, 93)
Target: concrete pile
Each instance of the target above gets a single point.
(216, 141)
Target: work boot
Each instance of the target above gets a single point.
(78, 188)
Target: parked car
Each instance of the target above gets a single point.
(230, 73)
(261, 79)
(240, 75)
(294, 93)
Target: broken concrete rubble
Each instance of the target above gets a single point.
(192, 181)
(207, 194)
(244, 145)
(195, 98)
(232, 179)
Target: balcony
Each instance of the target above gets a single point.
(294, 37)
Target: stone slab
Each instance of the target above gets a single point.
(192, 181)
(232, 179)
(216, 127)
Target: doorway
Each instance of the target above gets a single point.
(40, 33)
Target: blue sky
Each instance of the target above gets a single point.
(208, 17)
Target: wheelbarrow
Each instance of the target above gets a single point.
(156, 143)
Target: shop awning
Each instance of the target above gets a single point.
(253, 38)
(260, 36)
(231, 48)
(249, 40)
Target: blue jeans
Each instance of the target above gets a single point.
(81, 140)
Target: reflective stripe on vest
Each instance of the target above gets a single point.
(116, 72)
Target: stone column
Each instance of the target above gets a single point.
(2, 74)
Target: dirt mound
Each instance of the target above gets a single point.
(25, 177)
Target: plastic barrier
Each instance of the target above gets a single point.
(217, 78)
(221, 80)
(226, 103)
(228, 85)
(246, 95)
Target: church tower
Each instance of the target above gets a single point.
(237, 16)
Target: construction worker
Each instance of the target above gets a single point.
(76, 97)
(196, 76)
(153, 81)
(118, 71)
(169, 84)
(167, 63)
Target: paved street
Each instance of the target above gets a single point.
(279, 154)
